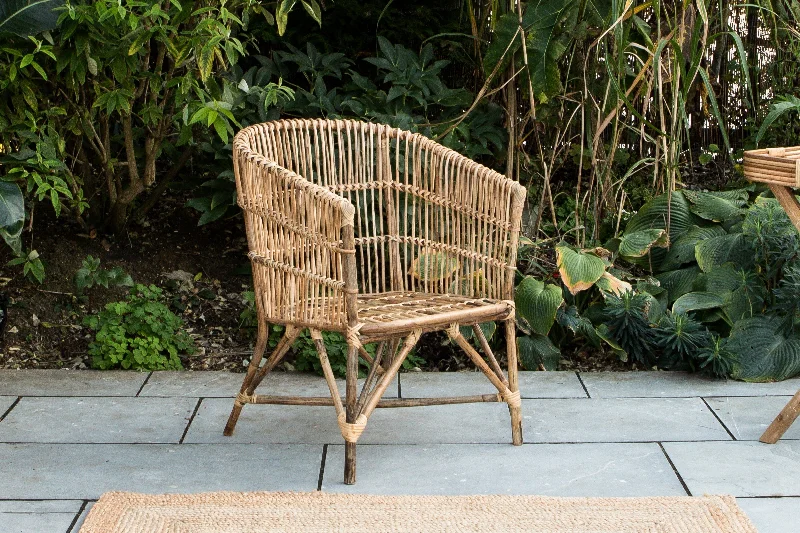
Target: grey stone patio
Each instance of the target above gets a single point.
(68, 436)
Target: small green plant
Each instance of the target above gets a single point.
(90, 274)
(715, 359)
(33, 269)
(680, 338)
(626, 318)
(139, 333)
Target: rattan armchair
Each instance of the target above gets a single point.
(382, 235)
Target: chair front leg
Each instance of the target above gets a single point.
(254, 375)
(513, 381)
(351, 399)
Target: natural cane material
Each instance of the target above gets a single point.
(382, 235)
(263, 512)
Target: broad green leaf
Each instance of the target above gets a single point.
(678, 282)
(711, 207)
(764, 353)
(696, 301)
(579, 271)
(776, 110)
(538, 351)
(28, 17)
(638, 243)
(434, 266)
(569, 319)
(682, 251)
(537, 303)
(733, 248)
(12, 204)
(612, 284)
(659, 213)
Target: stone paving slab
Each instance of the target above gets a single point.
(221, 384)
(677, 385)
(462, 423)
(738, 468)
(40, 506)
(82, 518)
(531, 384)
(620, 420)
(748, 417)
(99, 420)
(70, 382)
(36, 522)
(5, 403)
(544, 469)
(85, 471)
(772, 515)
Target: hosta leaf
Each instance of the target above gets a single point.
(537, 303)
(733, 248)
(487, 328)
(712, 207)
(569, 318)
(537, 351)
(695, 301)
(678, 282)
(738, 197)
(610, 283)
(654, 215)
(638, 243)
(682, 251)
(764, 353)
(742, 291)
(579, 270)
(434, 266)
(12, 204)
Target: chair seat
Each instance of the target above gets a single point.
(393, 312)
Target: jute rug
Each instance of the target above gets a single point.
(261, 512)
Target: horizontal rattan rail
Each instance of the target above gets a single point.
(381, 235)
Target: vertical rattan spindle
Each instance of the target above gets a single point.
(351, 394)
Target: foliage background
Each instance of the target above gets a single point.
(604, 109)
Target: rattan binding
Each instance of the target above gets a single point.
(380, 234)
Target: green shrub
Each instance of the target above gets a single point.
(139, 333)
(90, 274)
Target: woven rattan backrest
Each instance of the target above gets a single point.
(425, 218)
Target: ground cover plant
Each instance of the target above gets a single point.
(643, 247)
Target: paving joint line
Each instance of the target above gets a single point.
(322, 466)
(72, 524)
(191, 419)
(144, 383)
(719, 419)
(12, 406)
(580, 379)
(674, 469)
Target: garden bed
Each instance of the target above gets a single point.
(203, 271)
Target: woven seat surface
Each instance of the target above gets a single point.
(383, 311)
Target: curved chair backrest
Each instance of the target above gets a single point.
(425, 219)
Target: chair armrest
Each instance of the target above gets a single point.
(294, 233)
